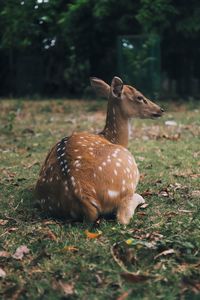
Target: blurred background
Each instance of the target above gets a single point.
(51, 47)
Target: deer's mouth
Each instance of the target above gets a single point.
(156, 115)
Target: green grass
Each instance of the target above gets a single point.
(168, 159)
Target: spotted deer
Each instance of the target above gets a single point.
(87, 175)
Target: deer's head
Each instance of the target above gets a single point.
(131, 102)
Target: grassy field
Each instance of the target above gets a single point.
(155, 257)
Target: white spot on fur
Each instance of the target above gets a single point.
(115, 172)
(118, 164)
(112, 193)
(100, 168)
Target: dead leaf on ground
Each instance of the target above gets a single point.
(164, 193)
(185, 211)
(49, 234)
(10, 175)
(68, 288)
(170, 214)
(20, 252)
(185, 266)
(142, 176)
(170, 123)
(3, 222)
(145, 205)
(147, 193)
(30, 165)
(164, 253)
(4, 254)
(123, 296)
(195, 194)
(92, 235)
(141, 213)
(69, 249)
(134, 277)
(2, 273)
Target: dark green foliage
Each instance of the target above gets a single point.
(52, 47)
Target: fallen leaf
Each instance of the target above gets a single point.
(195, 194)
(144, 205)
(166, 252)
(4, 254)
(50, 235)
(185, 211)
(30, 165)
(19, 253)
(140, 158)
(170, 213)
(194, 175)
(68, 288)
(147, 193)
(141, 213)
(134, 277)
(170, 123)
(70, 249)
(92, 235)
(2, 273)
(123, 296)
(3, 222)
(164, 193)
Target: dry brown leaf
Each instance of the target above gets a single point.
(147, 193)
(164, 253)
(10, 175)
(4, 254)
(141, 213)
(50, 235)
(68, 288)
(170, 213)
(185, 211)
(20, 252)
(144, 205)
(30, 165)
(134, 277)
(3, 222)
(70, 249)
(194, 175)
(123, 296)
(92, 235)
(195, 194)
(2, 273)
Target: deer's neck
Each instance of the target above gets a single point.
(116, 129)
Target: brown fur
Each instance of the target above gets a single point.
(102, 174)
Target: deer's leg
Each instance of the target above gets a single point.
(90, 208)
(127, 208)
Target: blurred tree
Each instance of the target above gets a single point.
(53, 46)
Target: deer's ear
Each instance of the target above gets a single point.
(116, 87)
(100, 86)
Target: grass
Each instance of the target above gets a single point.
(155, 257)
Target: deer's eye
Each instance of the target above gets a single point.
(140, 98)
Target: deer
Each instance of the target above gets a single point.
(87, 175)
